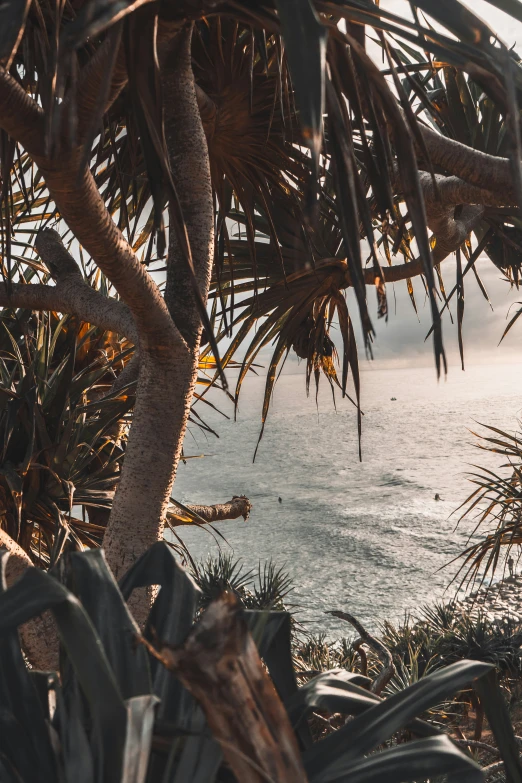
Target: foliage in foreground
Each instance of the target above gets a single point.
(115, 713)
(430, 639)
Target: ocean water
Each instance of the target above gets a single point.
(367, 537)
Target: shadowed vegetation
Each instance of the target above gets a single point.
(123, 705)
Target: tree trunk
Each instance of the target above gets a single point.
(168, 334)
(167, 374)
(39, 636)
(164, 393)
(190, 165)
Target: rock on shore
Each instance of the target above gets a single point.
(500, 601)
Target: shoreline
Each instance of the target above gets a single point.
(498, 603)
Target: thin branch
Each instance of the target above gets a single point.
(72, 297)
(71, 294)
(385, 656)
(464, 743)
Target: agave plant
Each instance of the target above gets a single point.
(124, 706)
(216, 574)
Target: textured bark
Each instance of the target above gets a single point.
(71, 294)
(485, 171)
(453, 210)
(74, 297)
(237, 507)
(219, 664)
(454, 190)
(167, 375)
(154, 446)
(188, 155)
(39, 636)
(450, 232)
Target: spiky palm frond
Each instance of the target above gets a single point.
(61, 433)
(271, 588)
(495, 503)
(263, 106)
(267, 590)
(223, 572)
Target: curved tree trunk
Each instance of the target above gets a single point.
(167, 334)
(190, 165)
(167, 374)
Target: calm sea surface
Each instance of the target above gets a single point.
(365, 537)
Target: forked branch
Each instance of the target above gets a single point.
(71, 294)
(385, 656)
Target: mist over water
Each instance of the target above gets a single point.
(366, 537)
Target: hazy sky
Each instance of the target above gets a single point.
(509, 30)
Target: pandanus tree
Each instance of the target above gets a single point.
(216, 165)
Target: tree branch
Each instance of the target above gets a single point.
(385, 656)
(20, 116)
(188, 156)
(81, 206)
(450, 228)
(491, 173)
(239, 506)
(71, 294)
(452, 191)
(450, 232)
(72, 297)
